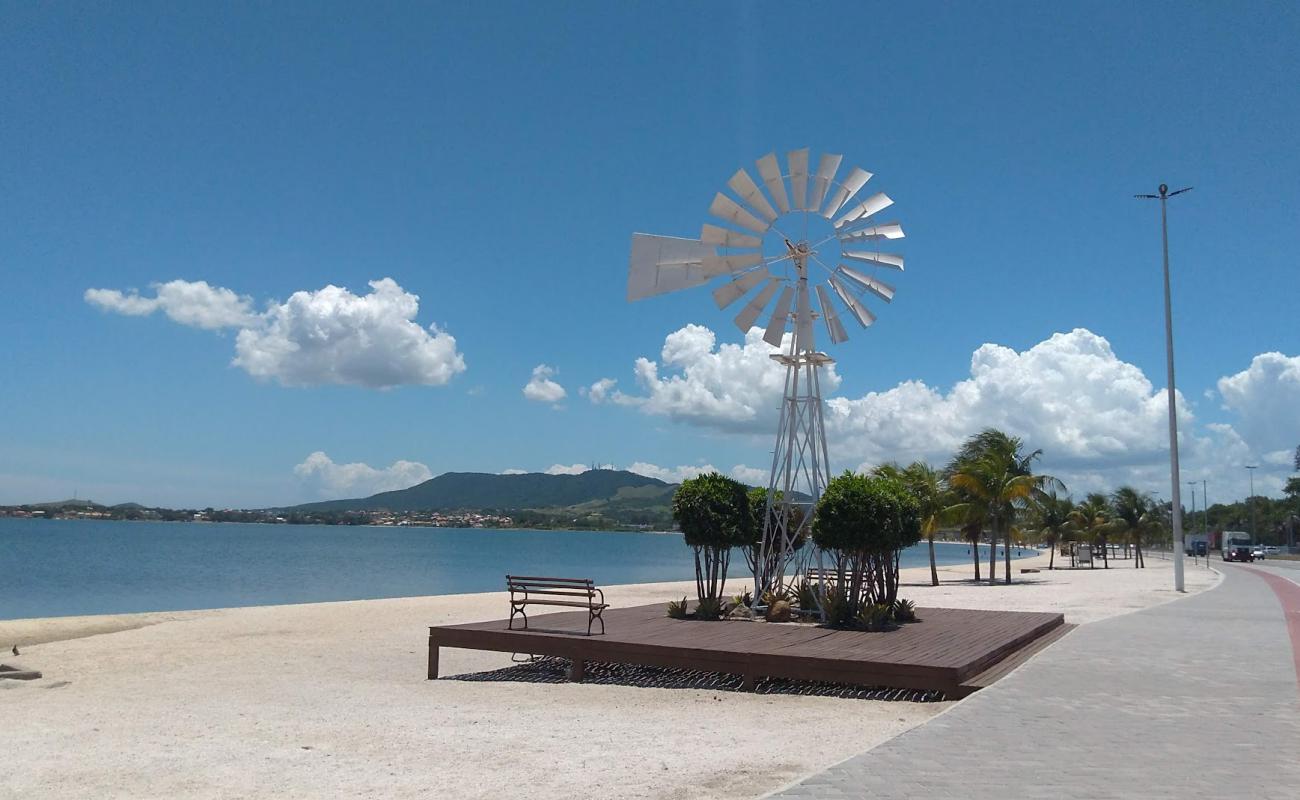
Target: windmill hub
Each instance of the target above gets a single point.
(816, 222)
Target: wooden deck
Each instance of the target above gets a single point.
(955, 651)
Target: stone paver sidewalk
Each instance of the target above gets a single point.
(1193, 699)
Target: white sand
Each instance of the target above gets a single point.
(329, 700)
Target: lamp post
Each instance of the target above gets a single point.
(1176, 510)
(1194, 553)
(1254, 536)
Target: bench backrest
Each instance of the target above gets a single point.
(567, 587)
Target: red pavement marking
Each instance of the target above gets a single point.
(1288, 594)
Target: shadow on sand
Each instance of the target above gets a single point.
(555, 670)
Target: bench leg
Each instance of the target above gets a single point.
(577, 670)
(433, 659)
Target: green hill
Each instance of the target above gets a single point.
(480, 491)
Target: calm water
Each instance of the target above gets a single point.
(64, 567)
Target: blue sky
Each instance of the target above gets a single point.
(494, 159)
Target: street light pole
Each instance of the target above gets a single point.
(1176, 510)
(1254, 535)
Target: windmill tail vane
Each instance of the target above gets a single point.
(793, 242)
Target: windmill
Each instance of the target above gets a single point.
(796, 229)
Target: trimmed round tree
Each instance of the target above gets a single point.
(865, 523)
(713, 512)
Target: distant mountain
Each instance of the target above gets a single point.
(66, 504)
(596, 489)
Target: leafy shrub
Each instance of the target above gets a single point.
(837, 609)
(875, 616)
(806, 595)
(865, 522)
(677, 609)
(904, 610)
(713, 512)
(708, 608)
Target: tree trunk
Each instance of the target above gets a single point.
(934, 572)
(1007, 553)
(993, 554)
(1051, 560)
(975, 551)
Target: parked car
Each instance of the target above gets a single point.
(1272, 550)
(1239, 552)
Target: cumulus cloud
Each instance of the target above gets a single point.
(567, 469)
(327, 336)
(1069, 395)
(328, 479)
(1266, 398)
(1099, 420)
(192, 303)
(599, 391)
(513, 471)
(730, 387)
(742, 473)
(541, 389)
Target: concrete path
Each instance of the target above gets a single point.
(1193, 699)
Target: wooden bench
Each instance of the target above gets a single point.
(826, 577)
(533, 591)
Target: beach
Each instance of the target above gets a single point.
(329, 699)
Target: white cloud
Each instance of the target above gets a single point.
(670, 474)
(513, 471)
(541, 389)
(192, 303)
(752, 476)
(729, 387)
(328, 479)
(327, 336)
(1070, 395)
(1099, 420)
(599, 391)
(1266, 398)
(569, 469)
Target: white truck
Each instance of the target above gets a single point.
(1236, 546)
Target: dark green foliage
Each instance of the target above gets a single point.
(677, 608)
(709, 608)
(714, 515)
(866, 514)
(864, 523)
(875, 616)
(904, 610)
(806, 595)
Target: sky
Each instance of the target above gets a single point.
(258, 254)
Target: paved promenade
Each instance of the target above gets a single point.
(1197, 698)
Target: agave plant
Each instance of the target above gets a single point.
(677, 609)
(904, 610)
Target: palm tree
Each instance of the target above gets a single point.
(1090, 520)
(1049, 517)
(1135, 517)
(927, 485)
(992, 473)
